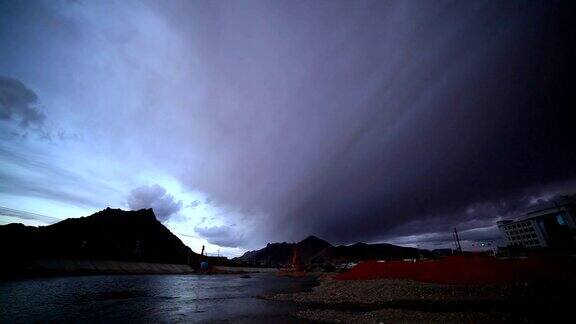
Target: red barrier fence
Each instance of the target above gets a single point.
(468, 270)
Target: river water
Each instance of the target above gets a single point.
(149, 298)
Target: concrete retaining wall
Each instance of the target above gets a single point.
(65, 266)
(246, 269)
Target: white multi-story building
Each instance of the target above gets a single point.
(522, 233)
(552, 226)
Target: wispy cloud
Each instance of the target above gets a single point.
(31, 173)
(24, 215)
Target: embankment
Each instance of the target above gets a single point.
(61, 267)
(245, 269)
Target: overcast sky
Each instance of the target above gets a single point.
(246, 122)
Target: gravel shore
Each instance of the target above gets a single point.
(392, 301)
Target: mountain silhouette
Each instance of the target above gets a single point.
(313, 250)
(110, 234)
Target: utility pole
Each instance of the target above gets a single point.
(457, 240)
(419, 252)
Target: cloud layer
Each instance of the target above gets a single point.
(353, 121)
(155, 197)
(221, 235)
(19, 103)
(404, 113)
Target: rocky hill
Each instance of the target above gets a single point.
(111, 234)
(313, 250)
(274, 254)
(381, 251)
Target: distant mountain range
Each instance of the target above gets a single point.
(111, 234)
(114, 234)
(313, 250)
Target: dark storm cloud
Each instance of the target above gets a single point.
(353, 120)
(484, 213)
(350, 120)
(477, 221)
(490, 233)
(155, 197)
(19, 103)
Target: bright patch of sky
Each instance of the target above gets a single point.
(104, 75)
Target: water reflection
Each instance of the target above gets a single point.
(148, 298)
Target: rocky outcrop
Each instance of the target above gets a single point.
(111, 234)
(315, 251)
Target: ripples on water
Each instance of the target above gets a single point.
(149, 298)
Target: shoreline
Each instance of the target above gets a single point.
(39, 268)
(390, 300)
